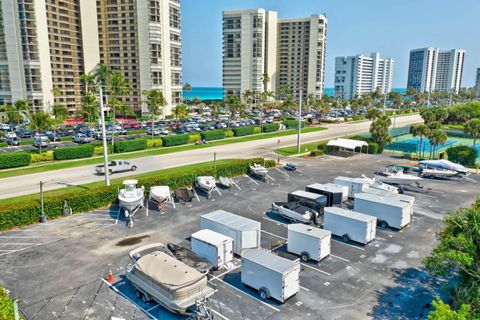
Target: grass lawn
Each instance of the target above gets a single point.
(304, 148)
(145, 153)
(113, 181)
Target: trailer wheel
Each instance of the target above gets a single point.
(146, 298)
(264, 294)
(304, 256)
(346, 238)
(383, 224)
(138, 294)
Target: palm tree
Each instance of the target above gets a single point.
(12, 114)
(233, 104)
(420, 131)
(90, 107)
(284, 91)
(265, 79)
(472, 127)
(39, 122)
(88, 80)
(248, 96)
(102, 76)
(181, 112)
(373, 113)
(187, 87)
(59, 111)
(154, 100)
(118, 88)
(379, 131)
(437, 137)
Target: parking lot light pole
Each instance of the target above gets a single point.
(43, 217)
(299, 121)
(104, 138)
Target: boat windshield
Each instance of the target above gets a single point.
(130, 187)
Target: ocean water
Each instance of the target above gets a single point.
(216, 93)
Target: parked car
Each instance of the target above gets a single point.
(13, 141)
(82, 138)
(40, 141)
(24, 133)
(116, 166)
(154, 131)
(10, 134)
(53, 137)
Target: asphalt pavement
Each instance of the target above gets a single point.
(28, 184)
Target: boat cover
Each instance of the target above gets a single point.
(348, 144)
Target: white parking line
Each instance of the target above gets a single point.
(17, 243)
(245, 293)
(6, 250)
(281, 171)
(133, 302)
(251, 179)
(224, 273)
(316, 269)
(274, 235)
(340, 258)
(349, 245)
(29, 247)
(26, 237)
(154, 307)
(219, 314)
(308, 290)
(280, 223)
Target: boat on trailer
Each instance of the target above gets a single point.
(206, 184)
(131, 199)
(226, 182)
(296, 212)
(259, 171)
(443, 165)
(160, 195)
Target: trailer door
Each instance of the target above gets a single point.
(250, 239)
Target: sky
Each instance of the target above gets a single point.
(391, 27)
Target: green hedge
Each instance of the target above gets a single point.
(243, 131)
(83, 199)
(6, 306)
(271, 127)
(373, 148)
(175, 140)
(293, 124)
(464, 155)
(213, 135)
(129, 145)
(3, 144)
(84, 151)
(317, 153)
(14, 159)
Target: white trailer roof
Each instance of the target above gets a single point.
(356, 180)
(232, 220)
(350, 214)
(211, 237)
(388, 194)
(306, 194)
(326, 187)
(347, 143)
(385, 200)
(309, 230)
(269, 260)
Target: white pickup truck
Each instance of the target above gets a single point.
(116, 166)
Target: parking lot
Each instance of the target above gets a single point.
(58, 269)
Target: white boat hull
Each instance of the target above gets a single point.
(206, 183)
(131, 205)
(160, 194)
(291, 214)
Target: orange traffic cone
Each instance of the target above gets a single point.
(110, 277)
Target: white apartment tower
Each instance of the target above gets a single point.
(432, 69)
(142, 40)
(356, 75)
(46, 45)
(290, 51)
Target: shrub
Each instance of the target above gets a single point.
(271, 127)
(129, 145)
(317, 153)
(243, 131)
(464, 155)
(3, 144)
(73, 152)
(228, 133)
(154, 143)
(194, 137)
(14, 159)
(293, 124)
(6, 305)
(81, 199)
(257, 130)
(40, 157)
(175, 140)
(322, 146)
(373, 147)
(213, 135)
(98, 151)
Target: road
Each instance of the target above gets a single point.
(28, 184)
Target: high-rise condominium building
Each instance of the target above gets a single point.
(432, 69)
(356, 75)
(142, 40)
(290, 51)
(45, 45)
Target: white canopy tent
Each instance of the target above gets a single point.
(347, 144)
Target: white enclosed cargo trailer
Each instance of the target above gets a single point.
(355, 185)
(390, 195)
(213, 246)
(344, 189)
(244, 232)
(310, 243)
(350, 225)
(273, 276)
(389, 212)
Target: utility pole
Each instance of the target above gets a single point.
(384, 101)
(299, 121)
(43, 217)
(104, 138)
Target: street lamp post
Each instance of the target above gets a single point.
(299, 121)
(104, 138)
(43, 217)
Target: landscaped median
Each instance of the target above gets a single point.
(158, 146)
(25, 210)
